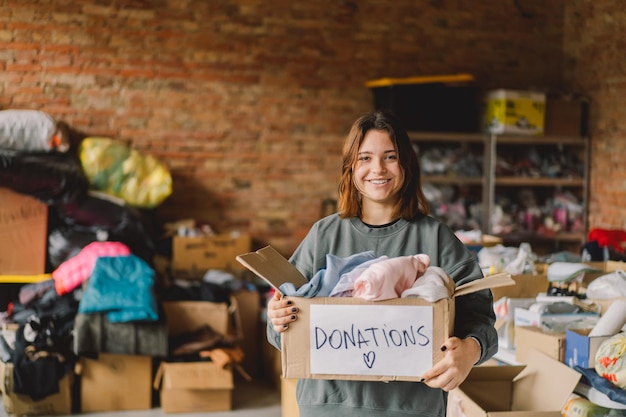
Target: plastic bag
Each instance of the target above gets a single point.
(112, 167)
(611, 360)
(608, 286)
(31, 131)
(53, 178)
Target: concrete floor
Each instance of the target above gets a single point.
(250, 399)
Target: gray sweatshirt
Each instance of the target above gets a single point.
(474, 314)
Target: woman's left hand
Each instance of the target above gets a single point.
(459, 358)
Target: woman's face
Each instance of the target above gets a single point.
(377, 173)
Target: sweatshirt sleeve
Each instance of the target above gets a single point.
(474, 315)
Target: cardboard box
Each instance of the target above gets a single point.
(115, 383)
(23, 234)
(190, 387)
(566, 117)
(20, 404)
(580, 349)
(528, 338)
(249, 306)
(198, 254)
(355, 339)
(539, 389)
(188, 316)
(520, 295)
(288, 401)
(515, 111)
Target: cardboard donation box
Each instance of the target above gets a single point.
(355, 339)
(194, 387)
(538, 389)
(198, 386)
(581, 349)
(198, 254)
(115, 382)
(23, 234)
(22, 405)
(528, 338)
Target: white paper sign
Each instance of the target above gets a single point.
(371, 340)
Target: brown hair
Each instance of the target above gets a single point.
(411, 201)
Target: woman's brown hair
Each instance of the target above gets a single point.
(411, 201)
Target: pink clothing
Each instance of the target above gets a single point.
(388, 278)
(434, 285)
(76, 270)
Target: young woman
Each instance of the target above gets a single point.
(382, 208)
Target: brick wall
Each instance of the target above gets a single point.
(247, 101)
(595, 64)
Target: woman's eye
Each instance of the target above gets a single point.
(392, 157)
(364, 158)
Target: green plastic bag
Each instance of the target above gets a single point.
(115, 169)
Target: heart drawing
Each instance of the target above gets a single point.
(369, 359)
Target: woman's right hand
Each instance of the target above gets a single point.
(281, 312)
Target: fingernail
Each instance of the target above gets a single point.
(423, 379)
(293, 317)
(443, 348)
(285, 326)
(294, 310)
(289, 303)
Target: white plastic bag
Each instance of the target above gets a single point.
(610, 285)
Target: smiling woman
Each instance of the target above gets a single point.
(382, 209)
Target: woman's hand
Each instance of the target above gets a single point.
(281, 312)
(460, 355)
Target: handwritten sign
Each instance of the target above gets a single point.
(371, 340)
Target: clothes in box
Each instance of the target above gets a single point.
(114, 382)
(23, 234)
(440, 103)
(20, 405)
(515, 111)
(189, 387)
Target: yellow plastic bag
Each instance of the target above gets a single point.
(611, 360)
(115, 169)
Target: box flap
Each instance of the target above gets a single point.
(272, 267)
(544, 385)
(501, 279)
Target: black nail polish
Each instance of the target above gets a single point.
(293, 310)
(285, 326)
(293, 317)
(422, 380)
(289, 303)
(443, 348)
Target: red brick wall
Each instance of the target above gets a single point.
(247, 101)
(595, 64)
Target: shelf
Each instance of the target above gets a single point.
(539, 140)
(531, 237)
(444, 137)
(451, 179)
(23, 279)
(540, 182)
